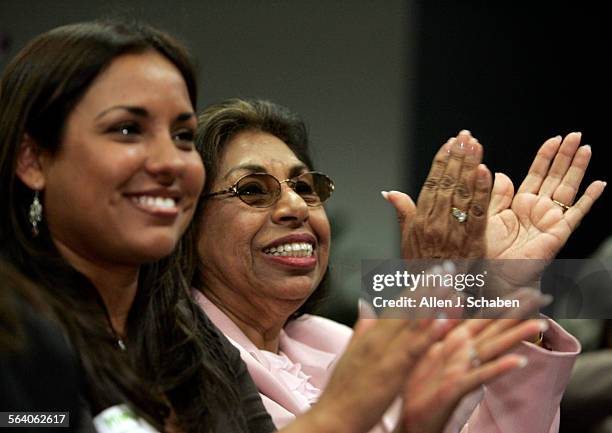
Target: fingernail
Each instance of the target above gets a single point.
(449, 145)
(587, 146)
(459, 146)
(543, 325)
(578, 132)
(471, 151)
(482, 175)
(440, 324)
(522, 362)
(605, 183)
(449, 266)
(546, 300)
(465, 131)
(385, 195)
(437, 270)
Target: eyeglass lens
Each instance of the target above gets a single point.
(262, 190)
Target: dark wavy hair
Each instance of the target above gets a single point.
(217, 125)
(174, 358)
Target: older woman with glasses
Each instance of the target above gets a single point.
(264, 242)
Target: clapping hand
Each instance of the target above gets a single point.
(536, 222)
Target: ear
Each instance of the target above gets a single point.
(29, 164)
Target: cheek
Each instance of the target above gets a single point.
(322, 230)
(320, 226)
(225, 232)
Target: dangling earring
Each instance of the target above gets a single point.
(36, 210)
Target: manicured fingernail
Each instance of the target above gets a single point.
(543, 325)
(436, 270)
(471, 151)
(482, 174)
(587, 146)
(440, 324)
(385, 195)
(459, 146)
(449, 145)
(449, 266)
(546, 300)
(523, 362)
(578, 133)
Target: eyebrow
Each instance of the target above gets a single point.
(256, 168)
(141, 112)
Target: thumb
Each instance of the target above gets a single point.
(403, 204)
(501, 194)
(362, 326)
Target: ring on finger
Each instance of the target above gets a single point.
(474, 358)
(563, 205)
(458, 214)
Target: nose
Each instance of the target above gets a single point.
(165, 161)
(290, 209)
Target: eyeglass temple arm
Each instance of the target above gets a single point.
(231, 190)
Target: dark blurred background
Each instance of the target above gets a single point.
(383, 84)
(517, 73)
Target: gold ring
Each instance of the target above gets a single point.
(459, 214)
(563, 205)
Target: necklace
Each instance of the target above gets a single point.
(121, 344)
(116, 335)
(118, 340)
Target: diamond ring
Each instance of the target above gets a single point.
(459, 214)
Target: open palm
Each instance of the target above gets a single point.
(530, 224)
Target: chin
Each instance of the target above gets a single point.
(155, 249)
(297, 288)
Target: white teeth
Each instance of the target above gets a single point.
(295, 249)
(158, 202)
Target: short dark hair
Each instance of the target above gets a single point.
(218, 124)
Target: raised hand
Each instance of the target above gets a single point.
(536, 222)
(450, 216)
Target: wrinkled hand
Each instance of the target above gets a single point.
(529, 224)
(456, 180)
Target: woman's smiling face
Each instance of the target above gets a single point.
(275, 254)
(123, 186)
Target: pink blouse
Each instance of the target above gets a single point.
(525, 400)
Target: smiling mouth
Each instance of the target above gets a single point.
(294, 249)
(166, 206)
